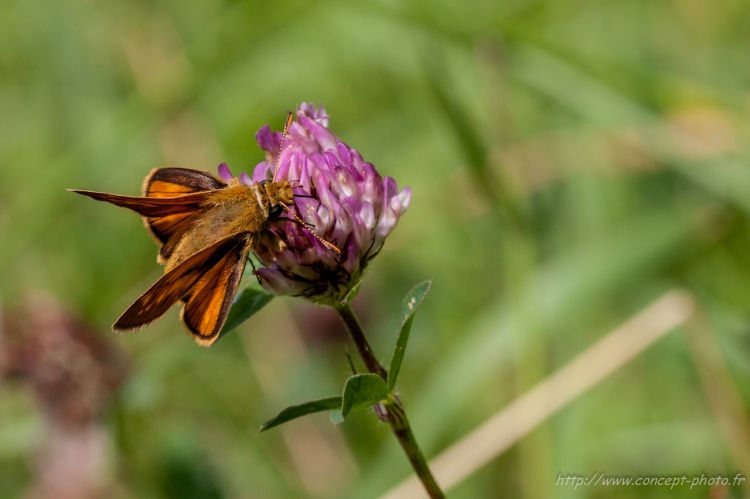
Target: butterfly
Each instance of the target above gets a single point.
(206, 228)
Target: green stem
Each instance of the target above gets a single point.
(396, 415)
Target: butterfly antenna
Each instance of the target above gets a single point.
(289, 119)
(324, 242)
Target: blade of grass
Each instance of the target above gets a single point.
(720, 389)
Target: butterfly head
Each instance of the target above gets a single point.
(279, 195)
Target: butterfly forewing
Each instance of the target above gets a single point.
(207, 306)
(151, 207)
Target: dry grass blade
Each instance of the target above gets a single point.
(524, 414)
(720, 390)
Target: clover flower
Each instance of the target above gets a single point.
(350, 205)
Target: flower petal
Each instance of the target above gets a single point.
(224, 172)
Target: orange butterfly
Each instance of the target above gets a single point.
(206, 228)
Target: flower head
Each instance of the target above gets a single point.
(349, 204)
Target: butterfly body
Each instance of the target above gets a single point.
(230, 210)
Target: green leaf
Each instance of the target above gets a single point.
(245, 305)
(362, 390)
(409, 306)
(296, 411)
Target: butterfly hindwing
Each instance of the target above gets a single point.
(168, 183)
(220, 264)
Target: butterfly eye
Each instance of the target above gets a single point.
(275, 210)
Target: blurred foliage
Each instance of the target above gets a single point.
(570, 161)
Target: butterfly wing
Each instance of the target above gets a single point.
(151, 207)
(208, 279)
(208, 303)
(168, 183)
(171, 182)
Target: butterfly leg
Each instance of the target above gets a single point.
(255, 271)
(309, 196)
(298, 222)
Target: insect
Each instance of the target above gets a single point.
(206, 228)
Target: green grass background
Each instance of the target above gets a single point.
(570, 161)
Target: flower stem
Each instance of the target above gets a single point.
(395, 413)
